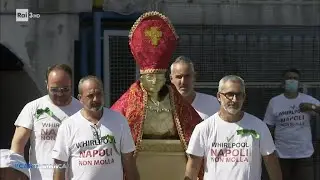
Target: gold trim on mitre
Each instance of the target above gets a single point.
(149, 14)
(153, 71)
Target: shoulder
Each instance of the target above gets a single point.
(308, 97)
(114, 116)
(206, 96)
(206, 99)
(76, 102)
(37, 102)
(255, 122)
(277, 98)
(208, 123)
(71, 121)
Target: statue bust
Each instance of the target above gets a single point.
(161, 121)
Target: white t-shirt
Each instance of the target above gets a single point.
(92, 157)
(227, 155)
(44, 129)
(205, 105)
(293, 137)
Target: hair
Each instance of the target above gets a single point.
(233, 78)
(294, 70)
(63, 67)
(86, 78)
(184, 60)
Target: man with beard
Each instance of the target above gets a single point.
(182, 75)
(231, 141)
(288, 116)
(96, 141)
(39, 120)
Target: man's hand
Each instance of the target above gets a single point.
(305, 107)
(20, 139)
(193, 167)
(12, 174)
(130, 167)
(273, 167)
(59, 173)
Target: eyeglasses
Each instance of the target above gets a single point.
(231, 95)
(60, 89)
(96, 132)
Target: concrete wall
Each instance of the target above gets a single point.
(17, 89)
(42, 42)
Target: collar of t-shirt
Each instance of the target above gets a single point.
(96, 125)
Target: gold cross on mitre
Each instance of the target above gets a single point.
(154, 34)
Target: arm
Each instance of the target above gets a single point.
(12, 174)
(269, 118)
(20, 139)
(273, 167)
(271, 129)
(268, 152)
(130, 167)
(59, 173)
(60, 152)
(127, 150)
(196, 153)
(193, 167)
(24, 126)
(310, 107)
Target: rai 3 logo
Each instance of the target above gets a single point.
(23, 15)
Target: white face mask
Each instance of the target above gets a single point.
(291, 85)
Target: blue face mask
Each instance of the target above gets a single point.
(291, 85)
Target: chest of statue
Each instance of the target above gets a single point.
(158, 123)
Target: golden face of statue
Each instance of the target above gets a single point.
(153, 82)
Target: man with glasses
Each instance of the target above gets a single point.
(231, 141)
(40, 119)
(95, 141)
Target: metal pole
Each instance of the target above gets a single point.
(97, 43)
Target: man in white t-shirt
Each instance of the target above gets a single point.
(231, 142)
(96, 142)
(288, 117)
(182, 75)
(39, 121)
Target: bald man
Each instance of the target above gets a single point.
(40, 119)
(182, 75)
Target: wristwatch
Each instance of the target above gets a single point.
(313, 107)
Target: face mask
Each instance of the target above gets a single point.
(291, 85)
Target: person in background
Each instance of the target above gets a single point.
(40, 119)
(232, 142)
(182, 75)
(288, 117)
(96, 142)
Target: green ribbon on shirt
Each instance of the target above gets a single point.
(244, 132)
(111, 140)
(42, 111)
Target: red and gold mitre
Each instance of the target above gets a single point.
(152, 41)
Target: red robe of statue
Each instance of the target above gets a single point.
(132, 105)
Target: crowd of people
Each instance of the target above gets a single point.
(78, 138)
